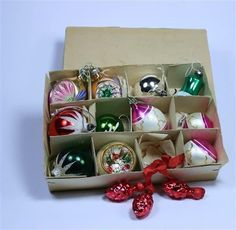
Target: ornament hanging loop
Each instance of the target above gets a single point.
(125, 120)
(159, 90)
(193, 67)
(132, 100)
(90, 73)
(162, 69)
(84, 73)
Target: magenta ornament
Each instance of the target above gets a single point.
(199, 152)
(198, 121)
(147, 117)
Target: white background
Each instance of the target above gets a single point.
(32, 36)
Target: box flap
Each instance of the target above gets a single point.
(112, 46)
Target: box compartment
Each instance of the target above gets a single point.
(176, 76)
(190, 104)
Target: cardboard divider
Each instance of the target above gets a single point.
(101, 181)
(179, 144)
(164, 104)
(138, 153)
(94, 156)
(192, 104)
(176, 77)
(58, 75)
(213, 136)
(62, 143)
(56, 106)
(92, 111)
(172, 114)
(213, 114)
(46, 119)
(118, 107)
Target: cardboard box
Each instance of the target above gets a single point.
(133, 53)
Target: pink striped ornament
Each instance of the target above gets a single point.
(198, 121)
(147, 118)
(199, 152)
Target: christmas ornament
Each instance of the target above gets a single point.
(197, 121)
(63, 91)
(82, 92)
(142, 192)
(150, 85)
(68, 90)
(109, 123)
(106, 87)
(73, 162)
(116, 157)
(146, 117)
(120, 192)
(180, 190)
(193, 82)
(71, 120)
(199, 152)
(142, 205)
(143, 201)
(180, 119)
(103, 85)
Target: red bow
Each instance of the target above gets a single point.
(161, 166)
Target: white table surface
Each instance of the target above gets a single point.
(32, 36)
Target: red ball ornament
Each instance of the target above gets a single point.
(142, 205)
(71, 120)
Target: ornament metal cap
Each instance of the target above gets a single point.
(199, 71)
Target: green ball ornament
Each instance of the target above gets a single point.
(109, 123)
(77, 162)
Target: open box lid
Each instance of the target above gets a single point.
(114, 46)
